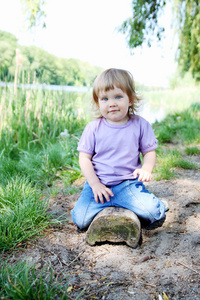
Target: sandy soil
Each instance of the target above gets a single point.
(167, 261)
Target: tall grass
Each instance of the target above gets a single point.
(34, 117)
(39, 131)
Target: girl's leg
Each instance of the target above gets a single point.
(86, 208)
(133, 195)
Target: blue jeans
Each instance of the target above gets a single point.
(130, 194)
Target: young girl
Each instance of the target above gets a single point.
(109, 154)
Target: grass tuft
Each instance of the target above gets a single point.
(168, 161)
(20, 281)
(192, 151)
(23, 214)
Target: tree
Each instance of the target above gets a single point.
(144, 25)
(34, 10)
(144, 22)
(8, 47)
(188, 16)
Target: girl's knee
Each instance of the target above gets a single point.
(78, 216)
(79, 212)
(157, 209)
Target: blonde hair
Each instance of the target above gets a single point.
(122, 79)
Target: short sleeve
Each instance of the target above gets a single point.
(148, 141)
(87, 140)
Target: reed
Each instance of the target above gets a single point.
(35, 117)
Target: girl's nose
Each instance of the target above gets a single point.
(112, 102)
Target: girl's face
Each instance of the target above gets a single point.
(114, 105)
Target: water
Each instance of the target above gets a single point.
(67, 88)
(150, 114)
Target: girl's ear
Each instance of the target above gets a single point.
(130, 101)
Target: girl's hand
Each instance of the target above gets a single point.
(143, 175)
(100, 191)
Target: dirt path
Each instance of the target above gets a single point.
(168, 259)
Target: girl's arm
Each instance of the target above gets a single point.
(145, 173)
(99, 189)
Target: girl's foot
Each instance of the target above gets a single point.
(166, 205)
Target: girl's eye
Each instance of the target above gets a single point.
(118, 97)
(105, 99)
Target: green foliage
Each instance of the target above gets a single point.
(192, 151)
(21, 281)
(22, 212)
(9, 168)
(54, 161)
(38, 141)
(8, 47)
(144, 22)
(167, 162)
(35, 117)
(39, 135)
(185, 164)
(143, 26)
(183, 80)
(35, 13)
(35, 65)
(188, 16)
(168, 101)
(181, 126)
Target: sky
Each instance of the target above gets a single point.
(87, 30)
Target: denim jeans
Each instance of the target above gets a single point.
(130, 194)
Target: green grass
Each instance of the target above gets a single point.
(21, 281)
(179, 129)
(168, 161)
(171, 100)
(192, 151)
(35, 117)
(38, 140)
(42, 167)
(183, 127)
(39, 132)
(23, 213)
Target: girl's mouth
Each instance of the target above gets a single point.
(113, 111)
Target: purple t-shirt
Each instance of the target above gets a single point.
(115, 149)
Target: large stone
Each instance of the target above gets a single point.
(115, 224)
